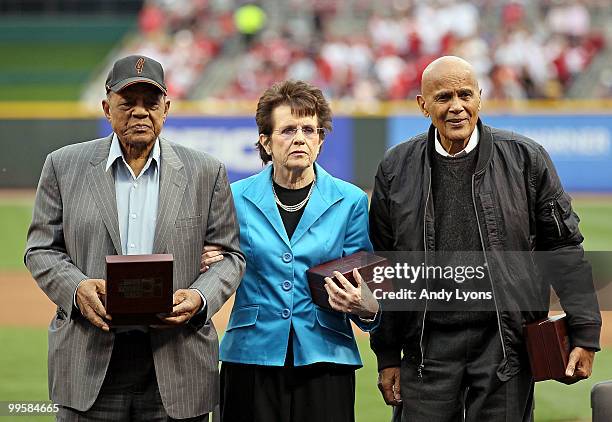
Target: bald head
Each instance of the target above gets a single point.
(447, 67)
(450, 97)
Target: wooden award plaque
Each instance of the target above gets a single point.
(363, 261)
(548, 346)
(138, 287)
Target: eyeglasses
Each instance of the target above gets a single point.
(289, 132)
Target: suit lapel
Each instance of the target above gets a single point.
(260, 194)
(172, 183)
(324, 195)
(102, 186)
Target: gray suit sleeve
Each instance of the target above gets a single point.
(45, 254)
(222, 279)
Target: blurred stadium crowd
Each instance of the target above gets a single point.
(367, 50)
(185, 35)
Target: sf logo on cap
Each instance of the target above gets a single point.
(139, 65)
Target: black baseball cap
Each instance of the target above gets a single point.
(135, 69)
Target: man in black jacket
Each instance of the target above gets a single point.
(464, 186)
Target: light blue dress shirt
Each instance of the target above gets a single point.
(137, 198)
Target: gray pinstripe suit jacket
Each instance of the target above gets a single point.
(74, 226)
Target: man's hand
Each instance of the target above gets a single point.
(389, 385)
(88, 299)
(580, 365)
(210, 255)
(187, 303)
(353, 300)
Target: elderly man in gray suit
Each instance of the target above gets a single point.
(133, 193)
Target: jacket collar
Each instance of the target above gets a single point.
(325, 193)
(485, 145)
(102, 149)
(166, 152)
(116, 153)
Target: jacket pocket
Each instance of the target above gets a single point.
(243, 317)
(559, 219)
(557, 223)
(60, 320)
(187, 222)
(567, 217)
(556, 220)
(334, 321)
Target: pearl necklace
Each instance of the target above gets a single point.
(299, 205)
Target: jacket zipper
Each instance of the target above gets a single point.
(484, 252)
(553, 211)
(422, 364)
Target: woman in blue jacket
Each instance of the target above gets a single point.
(286, 359)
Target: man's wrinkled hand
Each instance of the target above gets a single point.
(89, 296)
(186, 303)
(389, 385)
(579, 366)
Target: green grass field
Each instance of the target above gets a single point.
(14, 222)
(23, 373)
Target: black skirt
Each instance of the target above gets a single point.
(322, 392)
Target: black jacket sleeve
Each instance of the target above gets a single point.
(386, 340)
(564, 265)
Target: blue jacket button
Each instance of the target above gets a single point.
(287, 257)
(286, 313)
(287, 285)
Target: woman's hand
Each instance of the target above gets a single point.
(351, 299)
(210, 255)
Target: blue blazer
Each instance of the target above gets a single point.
(274, 293)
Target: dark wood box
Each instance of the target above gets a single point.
(548, 347)
(138, 287)
(363, 261)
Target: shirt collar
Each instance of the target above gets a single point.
(115, 153)
(472, 143)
